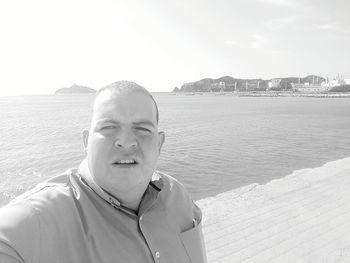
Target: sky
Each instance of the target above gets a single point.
(161, 44)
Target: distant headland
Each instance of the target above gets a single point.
(75, 89)
(310, 83)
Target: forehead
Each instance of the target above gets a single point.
(129, 106)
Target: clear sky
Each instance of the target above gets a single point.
(46, 45)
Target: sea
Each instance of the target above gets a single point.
(214, 142)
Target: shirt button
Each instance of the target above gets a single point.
(157, 254)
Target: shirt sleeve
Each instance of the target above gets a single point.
(19, 232)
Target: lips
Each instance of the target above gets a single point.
(130, 161)
(125, 163)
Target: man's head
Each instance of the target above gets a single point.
(123, 143)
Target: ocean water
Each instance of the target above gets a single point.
(213, 143)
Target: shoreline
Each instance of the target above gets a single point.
(302, 216)
(309, 95)
(267, 94)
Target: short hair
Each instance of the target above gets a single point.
(128, 87)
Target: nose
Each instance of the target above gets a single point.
(126, 140)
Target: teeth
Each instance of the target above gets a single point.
(126, 161)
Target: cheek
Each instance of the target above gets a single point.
(151, 150)
(99, 148)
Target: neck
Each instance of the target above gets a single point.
(130, 200)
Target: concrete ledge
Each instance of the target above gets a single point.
(303, 217)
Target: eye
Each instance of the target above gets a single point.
(143, 129)
(107, 127)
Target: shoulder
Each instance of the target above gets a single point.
(168, 180)
(178, 202)
(51, 190)
(174, 193)
(45, 196)
(171, 185)
(36, 214)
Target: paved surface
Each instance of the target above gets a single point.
(304, 217)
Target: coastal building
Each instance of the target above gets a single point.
(317, 86)
(338, 81)
(274, 84)
(311, 88)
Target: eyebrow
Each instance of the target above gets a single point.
(141, 122)
(107, 120)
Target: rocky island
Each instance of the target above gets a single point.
(75, 89)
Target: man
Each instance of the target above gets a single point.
(115, 207)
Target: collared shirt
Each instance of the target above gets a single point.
(68, 219)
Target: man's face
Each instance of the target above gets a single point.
(123, 144)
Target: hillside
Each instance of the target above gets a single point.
(75, 89)
(228, 83)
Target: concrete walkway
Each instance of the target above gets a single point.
(304, 217)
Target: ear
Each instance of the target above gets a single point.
(161, 139)
(85, 138)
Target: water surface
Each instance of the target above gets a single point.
(213, 143)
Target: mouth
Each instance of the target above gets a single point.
(125, 163)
